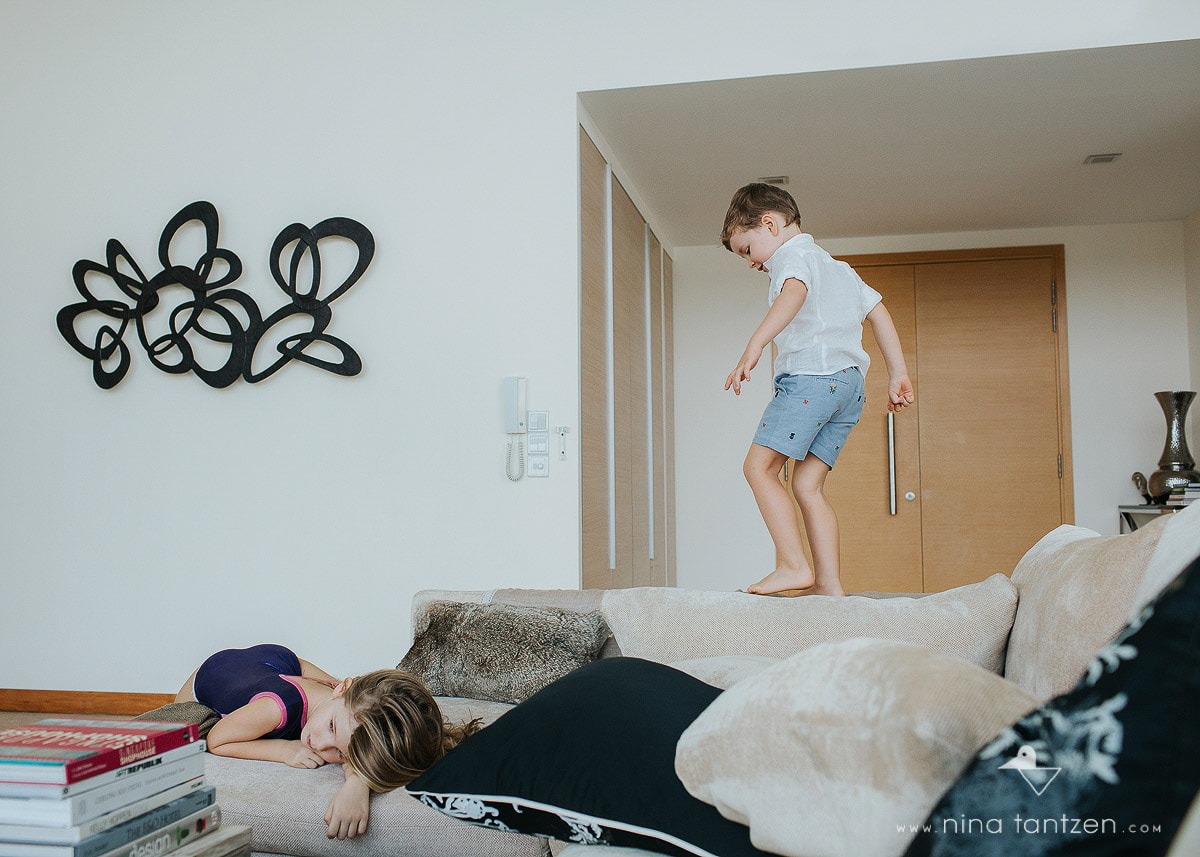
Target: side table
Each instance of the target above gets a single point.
(1133, 517)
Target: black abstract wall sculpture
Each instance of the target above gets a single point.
(226, 320)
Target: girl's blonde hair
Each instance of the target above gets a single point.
(754, 200)
(400, 730)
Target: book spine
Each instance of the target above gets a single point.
(92, 804)
(66, 750)
(109, 760)
(172, 836)
(77, 833)
(193, 806)
(54, 791)
(230, 840)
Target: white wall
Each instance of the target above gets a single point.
(1127, 336)
(148, 525)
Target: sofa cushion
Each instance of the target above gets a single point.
(724, 671)
(499, 652)
(589, 759)
(840, 748)
(286, 806)
(1108, 768)
(1076, 588)
(970, 622)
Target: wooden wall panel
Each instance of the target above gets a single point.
(594, 388)
(627, 421)
(628, 386)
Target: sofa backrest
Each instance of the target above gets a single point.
(669, 625)
(1077, 590)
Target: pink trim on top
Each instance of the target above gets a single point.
(292, 680)
(279, 702)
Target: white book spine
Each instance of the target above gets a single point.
(84, 807)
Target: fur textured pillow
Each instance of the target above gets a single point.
(499, 652)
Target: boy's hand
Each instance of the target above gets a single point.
(304, 757)
(750, 358)
(349, 810)
(900, 393)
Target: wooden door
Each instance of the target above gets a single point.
(990, 438)
(985, 451)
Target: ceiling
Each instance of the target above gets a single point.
(963, 145)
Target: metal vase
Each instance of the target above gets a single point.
(1176, 467)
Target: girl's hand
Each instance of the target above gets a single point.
(349, 810)
(304, 756)
(741, 372)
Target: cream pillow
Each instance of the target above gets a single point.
(667, 625)
(1178, 546)
(839, 749)
(1076, 588)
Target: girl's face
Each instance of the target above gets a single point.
(327, 730)
(759, 244)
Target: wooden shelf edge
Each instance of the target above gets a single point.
(81, 701)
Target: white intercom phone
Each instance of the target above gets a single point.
(515, 416)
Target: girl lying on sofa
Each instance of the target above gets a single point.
(384, 727)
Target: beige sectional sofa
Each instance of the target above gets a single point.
(1029, 637)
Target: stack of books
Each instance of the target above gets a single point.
(109, 788)
(1184, 496)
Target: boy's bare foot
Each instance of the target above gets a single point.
(783, 580)
(835, 591)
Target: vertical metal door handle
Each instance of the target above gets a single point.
(892, 462)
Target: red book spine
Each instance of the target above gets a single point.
(86, 748)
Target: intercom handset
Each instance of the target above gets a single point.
(515, 423)
(515, 411)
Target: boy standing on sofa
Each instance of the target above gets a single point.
(817, 308)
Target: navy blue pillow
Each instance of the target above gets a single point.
(1109, 768)
(590, 758)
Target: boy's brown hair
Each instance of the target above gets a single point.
(400, 729)
(754, 200)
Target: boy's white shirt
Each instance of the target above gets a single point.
(826, 335)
